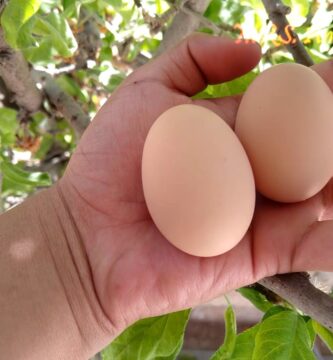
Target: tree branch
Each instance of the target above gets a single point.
(156, 23)
(277, 12)
(313, 8)
(63, 102)
(18, 79)
(297, 289)
(15, 72)
(89, 40)
(217, 29)
(183, 24)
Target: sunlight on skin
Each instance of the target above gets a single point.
(22, 250)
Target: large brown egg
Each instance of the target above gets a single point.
(197, 181)
(285, 123)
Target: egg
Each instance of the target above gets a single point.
(285, 123)
(197, 181)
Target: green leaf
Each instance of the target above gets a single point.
(34, 51)
(25, 38)
(229, 88)
(283, 336)
(302, 6)
(17, 180)
(105, 54)
(255, 4)
(213, 10)
(55, 27)
(311, 330)
(8, 126)
(318, 56)
(273, 311)
(126, 11)
(49, 5)
(45, 146)
(44, 36)
(325, 334)
(245, 344)
(15, 15)
(258, 22)
(150, 45)
(115, 3)
(227, 349)
(158, 6)
(72, 8)
(70, 86)
(41, 53)
(20, 176)
(257, 299)
(150, 339)
(115, 81)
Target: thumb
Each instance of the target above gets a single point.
(200, 60)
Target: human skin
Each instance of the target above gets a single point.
(134, 271)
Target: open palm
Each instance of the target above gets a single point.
(136, 272)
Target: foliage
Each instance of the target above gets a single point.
(47, 33)
(256, 298)
(325, 335)
(149, 339)
(279, 336)
(228, 348)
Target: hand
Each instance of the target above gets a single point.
(136, 272)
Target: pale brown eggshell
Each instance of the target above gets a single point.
(285, 123)
(197, 181)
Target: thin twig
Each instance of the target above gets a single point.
(313, 8)
(183, 24)
(3, 4)
(156, 23)
(188, 19)
(277, 12)
(63, 102)
(297, 289)
(217, 29)
(89, 40)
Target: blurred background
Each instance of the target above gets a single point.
(60, 60)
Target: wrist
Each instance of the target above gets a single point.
(49, 305)
(71, 259)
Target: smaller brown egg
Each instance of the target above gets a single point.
(285, 123)
(197, 181)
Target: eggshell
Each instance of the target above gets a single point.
(197, 181)
(285, 123)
